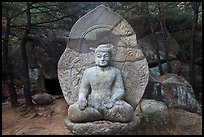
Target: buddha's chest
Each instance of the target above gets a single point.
(102, 79)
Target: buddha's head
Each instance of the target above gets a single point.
(103, 55)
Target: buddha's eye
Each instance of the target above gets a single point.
(98, 56)
(106, 55)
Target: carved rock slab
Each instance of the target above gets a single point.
(101, 25)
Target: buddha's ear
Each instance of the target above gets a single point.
(92, 49)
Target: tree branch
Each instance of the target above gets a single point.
(50, 21)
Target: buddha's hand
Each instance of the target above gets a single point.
(109, 104)
(82, 103)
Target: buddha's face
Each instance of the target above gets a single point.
(102, 58)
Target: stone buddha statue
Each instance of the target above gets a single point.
(101, 92)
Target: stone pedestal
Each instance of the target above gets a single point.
(102, 127)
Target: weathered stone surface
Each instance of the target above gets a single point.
(99, 26)
(169, 122)
(101, 93)
(47, 53)
(184, 72)
(181, 69)
(152, 106)
(184, 122)
(174, 91)
(34, 74)
(176, 68)
(43, 99)
(154, 117)
(102, 127)
(43, 55)
(157, 119)
(148, 46)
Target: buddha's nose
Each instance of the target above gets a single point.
(102, 58)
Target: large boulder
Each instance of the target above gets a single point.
(175, 68)
(148, 46)
(43, 54)
(157, 119)
(174, 91)
(181, 69)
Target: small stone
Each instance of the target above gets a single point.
(43, 99)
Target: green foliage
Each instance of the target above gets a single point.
(182, 36)
(178, 17)
(11, 9)
(13, 44)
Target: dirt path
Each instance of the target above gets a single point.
(38, 120)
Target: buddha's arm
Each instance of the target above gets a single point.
(84, 87)
(118, 87)
(83, 91)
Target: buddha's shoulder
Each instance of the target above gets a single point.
(95, 69)
(89, 70)
(114, 69)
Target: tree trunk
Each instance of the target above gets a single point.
(192, 46)
(155, 40)
(164, 33)
(26, 80)
(12, 91)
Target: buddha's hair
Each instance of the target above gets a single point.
(104, 48)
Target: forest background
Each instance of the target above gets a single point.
(24, 20)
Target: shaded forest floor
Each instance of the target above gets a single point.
(36, 120)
